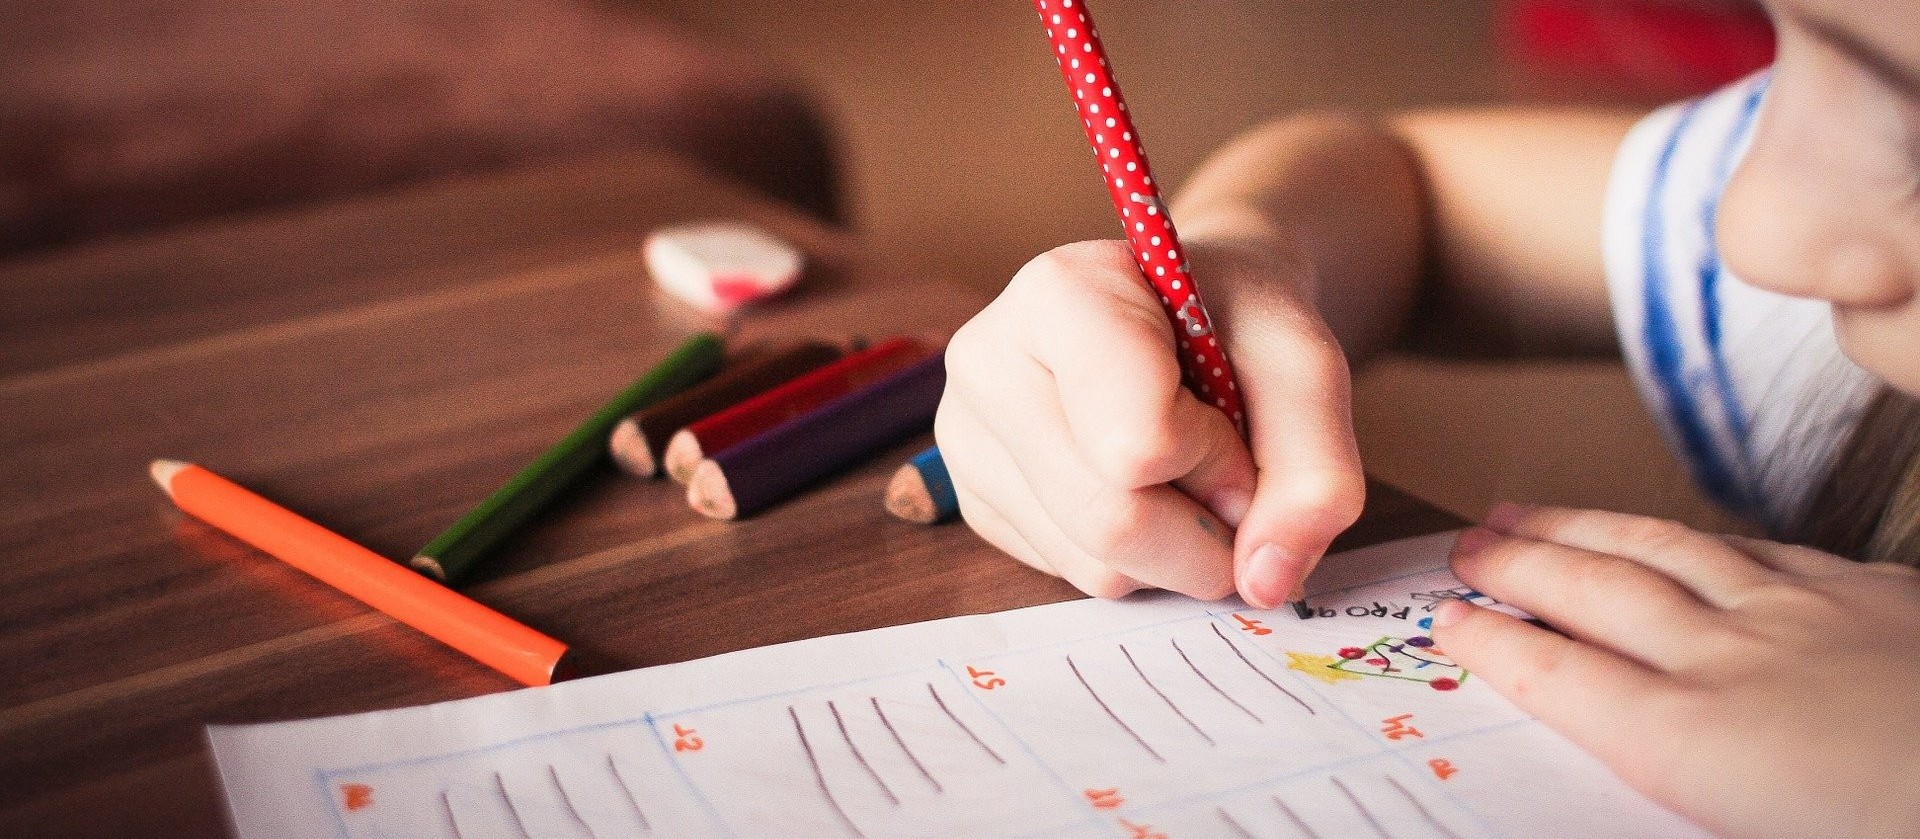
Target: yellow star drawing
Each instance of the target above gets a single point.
(1319, 667)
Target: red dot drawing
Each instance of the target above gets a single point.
(1401, 658)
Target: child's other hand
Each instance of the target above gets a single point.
(1759, 689)
(1074, 446)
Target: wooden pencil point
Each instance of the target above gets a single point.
(429, 566)
(468, 541)
(907, 496)
(628, 445)
(163, 471)
(708, 493)
(683, 456)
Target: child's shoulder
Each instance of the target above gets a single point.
(1690, 147)
(1750, 387)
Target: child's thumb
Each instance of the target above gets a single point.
(1309, 485)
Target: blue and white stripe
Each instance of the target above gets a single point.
(1750, 387)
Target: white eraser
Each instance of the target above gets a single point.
(721, 265)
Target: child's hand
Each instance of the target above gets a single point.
(1759, 689)
(1065, 421)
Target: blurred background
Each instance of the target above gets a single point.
(937, 130)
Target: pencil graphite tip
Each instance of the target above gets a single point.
(163, 471)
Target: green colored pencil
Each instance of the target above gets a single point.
(455, 552)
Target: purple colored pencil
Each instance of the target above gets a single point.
(769, 468)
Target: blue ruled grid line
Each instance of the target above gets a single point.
(1372, 735)
(660, 739)
(651, 721)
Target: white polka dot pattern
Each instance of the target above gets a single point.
(1143, 216)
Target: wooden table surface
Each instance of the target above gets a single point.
(380, 365)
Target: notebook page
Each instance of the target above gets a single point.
(1157, 716)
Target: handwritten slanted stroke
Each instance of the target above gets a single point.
(841, 723)
(878, 712)
(937, 700)
(1362, 807)
(512, 809)
(1295, 818)
(620, 780)
(1164, 697)
(453, 821)
(1110, 714)
(567, 799)
(820, 778)
(1209, 682)
(1422, 808)
(1238, 829)
(1257, 671)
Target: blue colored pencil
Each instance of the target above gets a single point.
(922, 491)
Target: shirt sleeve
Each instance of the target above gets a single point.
(1748, 386)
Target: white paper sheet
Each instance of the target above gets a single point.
(1155, 717)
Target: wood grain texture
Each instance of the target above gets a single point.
(379, 366)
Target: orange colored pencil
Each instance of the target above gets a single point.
(491, 638)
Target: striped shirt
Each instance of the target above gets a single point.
(1749, 387)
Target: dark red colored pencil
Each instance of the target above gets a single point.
(639, 440)
(760, 472)
(758, 414)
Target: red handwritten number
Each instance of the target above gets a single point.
(1104, 799)
(1251, 625)
(685, 739)
(1141, 831)
(1396, 727)
(356, 795)
(984, 679)
(1442, 768)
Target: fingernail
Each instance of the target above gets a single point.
(1262, 584)
(1474, 540)
(1450, 612)
(1504, 517)
(1231, 506)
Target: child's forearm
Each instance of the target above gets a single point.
(1340, 195)
(1487, 222)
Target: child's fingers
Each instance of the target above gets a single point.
(1608, 705)
(1310, 486)
(988, 524)
(1154, 534)
(1791, 559)
(1092, 578)
(1606, 600)
(1703, 563)
(988, 473)
(1096, 328)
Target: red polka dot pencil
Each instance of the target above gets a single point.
(1123, 161)
(1143, 215)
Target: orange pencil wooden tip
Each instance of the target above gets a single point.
(491, 638)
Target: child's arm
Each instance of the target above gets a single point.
(1491, 218)
(1759, 689)
(1065, 421)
